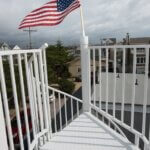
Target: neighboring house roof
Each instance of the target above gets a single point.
(140, 40)
(109, 41)
(4, 46)
(16, 47)
(77, 60)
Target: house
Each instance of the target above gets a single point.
(140, 53)
(4, 46)
(108, 41)
(75, 66)
(139, 88)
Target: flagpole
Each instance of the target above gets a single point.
(85, 66)
(82, 21)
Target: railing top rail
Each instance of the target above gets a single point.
(65, 94)
(121, 46)
(15, 52)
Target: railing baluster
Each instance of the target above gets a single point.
(35, 102)
(24, 99)
(107, 91)
(60, 116)
(47, 93)
(123, 84)
(29, 93)
(71, 109)
(37, 81)
(43, 91)
(55, 118)
(145, 91)
(6, 107)
(66, 118)
(137, 140)
(100, 79)
(14, 88)
(77, 108)
(94, 87)
(114, 91)
(133, 89)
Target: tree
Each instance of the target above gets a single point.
(66, 85)
(57, 63)
(8, 82)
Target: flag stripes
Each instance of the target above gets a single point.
(48, 15)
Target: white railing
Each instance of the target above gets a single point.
(64, 108)
(15, 77)
(40, 110)
(117, 96)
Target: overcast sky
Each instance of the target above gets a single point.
(103, 19)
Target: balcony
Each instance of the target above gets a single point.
(105, 118)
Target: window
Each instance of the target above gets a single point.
(97, 68)
(141, 50)
(79, 69)
(141, 60)
(138, 60)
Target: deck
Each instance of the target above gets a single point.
(88, 133)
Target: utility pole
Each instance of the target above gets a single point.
(128, 39)
(29, 32)
(129, 59)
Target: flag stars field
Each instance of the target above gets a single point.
(62, 5)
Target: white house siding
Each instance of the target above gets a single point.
(139, 91)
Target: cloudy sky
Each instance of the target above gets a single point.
(103, 19)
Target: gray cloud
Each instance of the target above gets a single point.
(103, 18)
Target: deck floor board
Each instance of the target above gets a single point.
(87, 133)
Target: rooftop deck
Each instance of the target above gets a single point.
(59, 121)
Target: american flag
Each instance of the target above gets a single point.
(50, 14)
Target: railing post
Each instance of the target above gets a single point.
(43, 47)
(3, 141)
(85, 73)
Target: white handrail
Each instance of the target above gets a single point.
(15, 52)
(56, 90)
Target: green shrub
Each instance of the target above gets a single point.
(66, 86)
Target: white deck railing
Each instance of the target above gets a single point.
(105, 90)
(65, 108)
(15, 74)
(23, 74)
